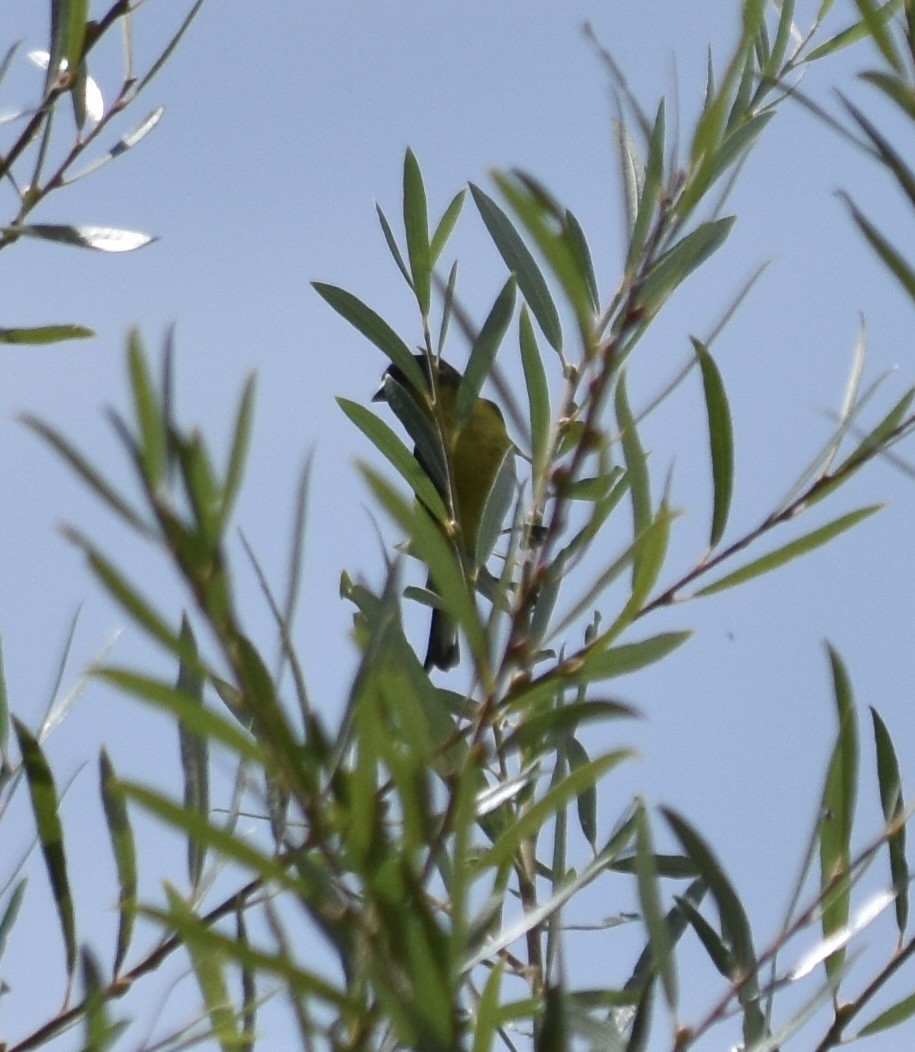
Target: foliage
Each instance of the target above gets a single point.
(422, 851)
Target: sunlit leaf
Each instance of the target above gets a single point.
(416, 225)
(45, 334)
(100, 238)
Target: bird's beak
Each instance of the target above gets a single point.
(381, 394)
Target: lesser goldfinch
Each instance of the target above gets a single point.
(474, 453)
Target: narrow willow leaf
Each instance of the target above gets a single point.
(447, 308)
(893, 1016)
(222, 841)
(445, 226)
(373, 327)
(538, 395)
(586, 803)
(521, 263)
(630, 657)
(125, 857)
(123, 144)
(540, 811)
(632, 174)
(78, 463)
(801, 546)
(44, 799)
(888, 156)
(874, 18)
(484, 350)
(166, 52)
(393, 246)
(416, 225)
(575, 236)
(891, 256)
(712, 943)
(99, 238)
(893, 806)
(424, 427)
(837, 814)
(45, 334)
(98, 1032)
(208, 968)
(248, 987)
(636, 465)
(241, 438)
(152, 440)
(392, 448)
(650, 189)
(487, 1017)
(895, 88)
(11, 912)
(498, 501)
(721, 441)
(780, 44)
(544, 219)
(429, 544)
(735, 927)
(653, 917)
(195, 753)
(542, 731)
(853, 33)
(675, 265)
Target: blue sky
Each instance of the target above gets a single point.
(282, 128)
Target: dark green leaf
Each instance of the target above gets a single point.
(125, 858)
(195, 753)
(636, 465)
(392, 245)
(837, 814)
(721, 441)
(538, 395)
(44, 799)
(630, 657)
(521, 263)
(653, 917)
(893, 1016)
(893, 806)
(679, 262)
(445, 226)
(416, 225)
(374, 328)
(483, 352)
(391, 447)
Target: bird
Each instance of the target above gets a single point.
(473, 455)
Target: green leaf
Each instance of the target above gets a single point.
(891, 256)
(38, 334)
(487, 1016)
(837, 814)
(498, 501)
(521, 263)
(195, 753)
(893, 1016)
(576, 755)
(44, 799)
(632, 173)
(653, 917)
(152, 441)
(374, 328)
(875, 18)
(241, 439)
(735, 927)
(785, 554)
(677, 263)
(445, 226)
(650, 190)
(538, 394)
(125, 857)
(208, 968)
(721, 441)
(636, 466)
(630, 657)
(416, 225)
(11, 912)
(896, 89)
(853, 33)
(540, 811)
(483, 352)
(891, 801)
(392, 245)
(578, 243)
(391, 447)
